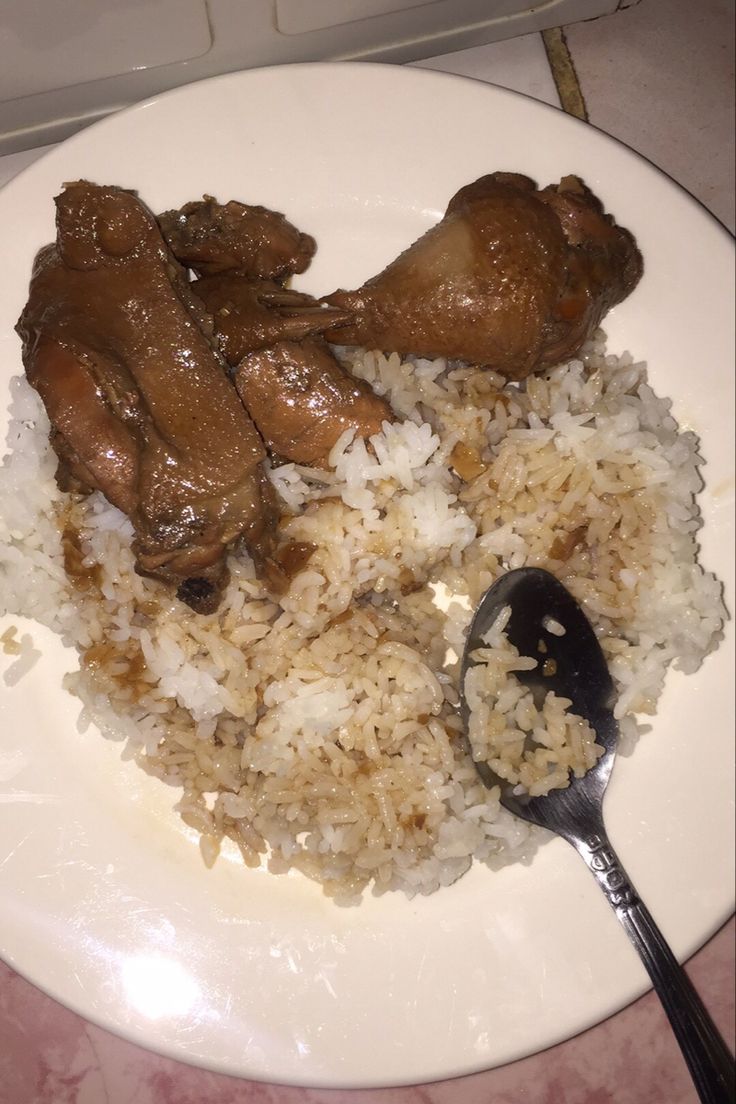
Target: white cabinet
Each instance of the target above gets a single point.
(64, 63)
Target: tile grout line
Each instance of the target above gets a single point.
(563, 73)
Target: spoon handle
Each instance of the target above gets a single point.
(708, 1058)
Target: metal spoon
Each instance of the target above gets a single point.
(578, 671)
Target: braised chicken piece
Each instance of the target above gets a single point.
(301, 399)
(248, 314)
(212, 237)
(512, 278)
(140, 405)
(603, 268)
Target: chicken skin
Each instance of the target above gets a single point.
(249, 314)
(141, 406)
(211, 237)
(299, 396)
(302, 400)
(512, 278)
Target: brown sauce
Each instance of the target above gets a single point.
(286, 562)
(466, 461)
(82, 576)
(564, 544)
(103, 656)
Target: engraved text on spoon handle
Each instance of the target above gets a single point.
(709, 1061)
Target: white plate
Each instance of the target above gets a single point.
(103, 900)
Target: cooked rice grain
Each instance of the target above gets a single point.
(321, 732)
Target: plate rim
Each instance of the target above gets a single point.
(430, 76)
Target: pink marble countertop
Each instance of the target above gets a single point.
(666, 50)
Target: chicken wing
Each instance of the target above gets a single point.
(140, 404)
(248, 314)
(302, 400)
(212, 237)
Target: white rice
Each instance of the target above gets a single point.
(321, 731)
(536, 748)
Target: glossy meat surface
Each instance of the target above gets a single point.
(512, 278)
(302, 400)
(248, 314)
(140, 404)
(212, 237)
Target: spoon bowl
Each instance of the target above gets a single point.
(547, 624)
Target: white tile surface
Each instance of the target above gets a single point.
(518, 63)
(660, 76)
